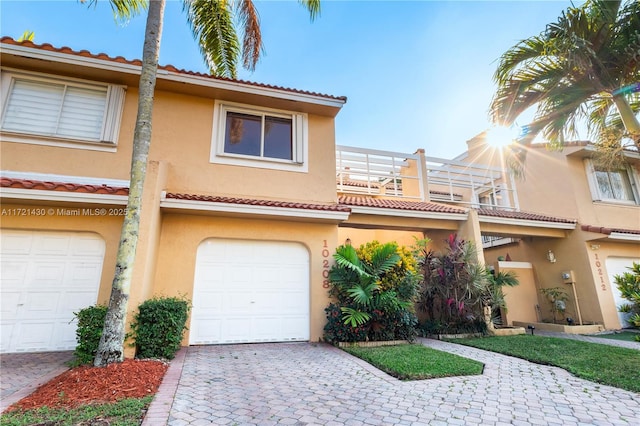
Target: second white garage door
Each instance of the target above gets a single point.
(250, 291)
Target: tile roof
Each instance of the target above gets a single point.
(6, 182)
(170, 68)
(255, 202)
(523, 216)
(397, 204)
(608, 231)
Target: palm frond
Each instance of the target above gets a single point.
(211, 22)
(363, 292)
(123, 10)
(347, 257)
(383, 259)
(252, 46)
(353, 317)
(313, 6)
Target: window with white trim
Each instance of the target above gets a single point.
(617, 185)
(58, 109)
(259, 137)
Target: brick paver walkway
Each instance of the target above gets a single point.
(316, 384)
(22, 373)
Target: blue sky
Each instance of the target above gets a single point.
(417, 74)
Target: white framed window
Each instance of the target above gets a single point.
(38, 108)
(617, 185)
(259, 137)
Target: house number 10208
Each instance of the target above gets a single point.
(325, 264)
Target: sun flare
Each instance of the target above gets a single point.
(500, 136)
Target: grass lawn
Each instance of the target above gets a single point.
(416, 362)
(627, 336)
(127, 412)
(609, 365)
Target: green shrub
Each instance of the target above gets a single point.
(629, 285)
(158, 327)
(374, 289)
(90, 325)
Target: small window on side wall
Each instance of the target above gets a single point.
(256, 137)
(616, 185)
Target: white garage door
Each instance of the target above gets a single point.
(250, 291)
(618, 266)
(46, 276)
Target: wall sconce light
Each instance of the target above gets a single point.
(347, 242)
(551, 257)
(595, 246)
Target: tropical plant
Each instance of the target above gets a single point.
(381, 312)
(576, 70)
(452, 283)
(492, 293)
(629, 285)
(557, 297)
(212, 22)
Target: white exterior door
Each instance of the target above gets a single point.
(618, 266)
(46, 277)
(250, 291)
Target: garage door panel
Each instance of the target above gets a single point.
(14, 272)
(35, 336)
(206, 330)
(83, 273)
(46, 277)
(257, 284)
(10, 303)
(16, 243)
(51, 244)
(41, 304)
(87, 246)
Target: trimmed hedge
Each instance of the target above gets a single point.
(90, 325)
(158, 327)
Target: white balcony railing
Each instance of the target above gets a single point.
(413, 176)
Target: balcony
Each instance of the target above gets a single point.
(416, 177)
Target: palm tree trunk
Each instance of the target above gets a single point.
(629, 119)
(111, 346)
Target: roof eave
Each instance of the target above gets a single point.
(176, 77)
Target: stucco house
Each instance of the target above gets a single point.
(247, 196)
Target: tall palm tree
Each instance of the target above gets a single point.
(584, 67)
(212, 22)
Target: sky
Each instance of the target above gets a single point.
(417, 74)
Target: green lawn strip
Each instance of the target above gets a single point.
(127, 412)
(626, 336)
(416, 362)
(609, 365)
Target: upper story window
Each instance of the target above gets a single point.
(259, 137)
(41, 109)
(618, 185)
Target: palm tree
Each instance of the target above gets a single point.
(213, 28)
(576, 70)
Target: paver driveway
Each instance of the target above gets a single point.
(306, 383)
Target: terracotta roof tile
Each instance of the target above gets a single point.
(608, 231)
(255, 202)
(62, 186)
(523, 215)
(170, 68)
(397, 204)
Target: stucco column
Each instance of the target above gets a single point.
(148, 238)
(470, 231)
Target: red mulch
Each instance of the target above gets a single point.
(97, 385)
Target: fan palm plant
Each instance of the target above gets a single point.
(359, 282)
(583, 68)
